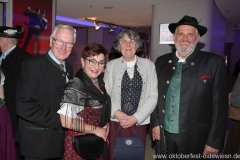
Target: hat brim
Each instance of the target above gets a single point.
(201, 29)
(11, 35)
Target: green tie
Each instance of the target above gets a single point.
(62, 67)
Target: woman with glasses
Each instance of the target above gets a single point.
(131, 82)
(85, 106)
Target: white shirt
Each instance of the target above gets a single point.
(182, 59)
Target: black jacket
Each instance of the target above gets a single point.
(11, 67)
(203, 105)
(39, 93)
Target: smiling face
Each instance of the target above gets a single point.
(185, 40)
(127, 48)
(91, 65)
(61, 52)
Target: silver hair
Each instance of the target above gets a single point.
(64, 26)
(14, 40)
(131, 34)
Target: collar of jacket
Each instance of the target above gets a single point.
(125, 62)
(52, 61)
(188, 59)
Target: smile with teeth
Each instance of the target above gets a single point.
(95, 71)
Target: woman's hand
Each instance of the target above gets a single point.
(120, 116)
(101, 132)
(128, 121)
(107, 129)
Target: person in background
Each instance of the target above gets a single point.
(131, 82)
(232, 146)
(92, 111)
(7, 144)
(114, 54)
(44, 20)
(192, 105)
(35, 26)
(11, 60)
(236, 71)
(39, 92)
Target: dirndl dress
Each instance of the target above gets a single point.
(91, 116)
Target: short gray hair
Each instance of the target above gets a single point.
(64, 26)
(131, 34)
(14, 40)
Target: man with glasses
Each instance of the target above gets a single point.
(39, 92)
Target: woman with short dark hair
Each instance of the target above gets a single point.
(85, 106)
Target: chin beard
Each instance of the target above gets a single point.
(187, 51)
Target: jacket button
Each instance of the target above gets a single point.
(163, 111)
(173, 68)
(167, 82)
(164, 96)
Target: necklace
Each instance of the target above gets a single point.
(95, 81)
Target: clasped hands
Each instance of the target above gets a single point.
(125, 120)
(102, 132)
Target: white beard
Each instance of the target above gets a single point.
(185, 52)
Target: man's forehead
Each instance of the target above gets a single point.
(186, 27)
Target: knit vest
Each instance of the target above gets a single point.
(171, 119)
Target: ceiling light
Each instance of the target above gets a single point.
(110, 28)
(96, 25)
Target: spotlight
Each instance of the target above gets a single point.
(110, 28)
(96, 25)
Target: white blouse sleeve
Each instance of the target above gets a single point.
(70, 110)
(2, 79)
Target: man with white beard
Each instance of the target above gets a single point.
(191, 116)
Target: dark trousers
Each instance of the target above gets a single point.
(172, 144)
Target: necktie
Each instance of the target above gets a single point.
(62, 67)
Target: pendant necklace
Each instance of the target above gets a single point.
(95, 81)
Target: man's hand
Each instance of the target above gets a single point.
(156, 133)
(210, 150)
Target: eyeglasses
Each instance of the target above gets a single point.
(60, 43)
(93, 62)
(125, 42)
